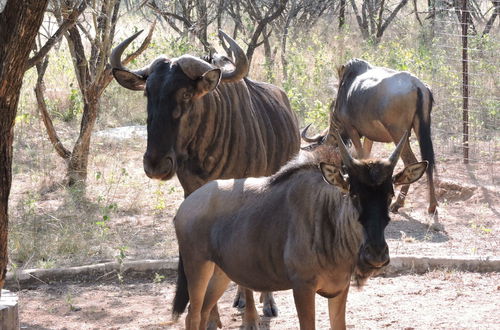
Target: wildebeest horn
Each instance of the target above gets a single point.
(316, 138)
(393, 159)
(116, 54)
(347, 159)
(241, 60)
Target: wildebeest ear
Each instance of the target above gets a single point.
(129, 79)
(207, 82)
(410, 173)
(332, 175)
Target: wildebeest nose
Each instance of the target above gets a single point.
(377, 256)
(158, 167)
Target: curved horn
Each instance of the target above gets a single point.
(316, 138)
(116, 54)
(241, 60)
(344, 153)
(393, 159)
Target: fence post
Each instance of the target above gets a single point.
(465, 82)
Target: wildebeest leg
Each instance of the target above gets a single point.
(251, 317)
(198, 275)
(336, 309)
(356, 140)
(216, 287)
(239, 300)
(214, 319)
(270, 309)
(432, 193)
(408, 158)
(367, 147)
(304, 303)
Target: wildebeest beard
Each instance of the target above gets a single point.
(363, 271)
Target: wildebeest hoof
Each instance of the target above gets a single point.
(394, 208)
(213, 325)
(270, 310)
(436, 226)
(252, 326)
(239, 301)
(432, 210)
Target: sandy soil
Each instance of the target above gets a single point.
(436, 300)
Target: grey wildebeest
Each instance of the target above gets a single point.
(381, 104)
(207, 121)
(291, 230)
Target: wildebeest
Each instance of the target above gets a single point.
(381, 104)
(291, 230)
(208, 122)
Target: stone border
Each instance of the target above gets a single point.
(143, 268)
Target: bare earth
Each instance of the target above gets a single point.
(436, 300)
(468, 217)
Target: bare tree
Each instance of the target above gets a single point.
(302, 15)
(93, 75)
(263, 13)
(475, 16)
(189, 17)
(495, 13)
(372, 19)
(342, 14)
(19, 23)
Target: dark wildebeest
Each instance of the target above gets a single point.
(205, 130)
(381, 104)
(292, 230)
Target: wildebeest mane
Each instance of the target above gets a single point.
(306, 160)
(352, 69)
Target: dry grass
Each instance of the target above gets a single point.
(122, 211)
(52, 225)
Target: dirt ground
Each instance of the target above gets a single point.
(436, 300)
(142, 221)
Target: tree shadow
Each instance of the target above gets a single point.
(486, 193)
(411, 227)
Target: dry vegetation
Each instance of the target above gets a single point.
(122, 212)
(124, 215)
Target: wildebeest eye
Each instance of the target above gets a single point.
(186, 96)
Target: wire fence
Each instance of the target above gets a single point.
(466, 83)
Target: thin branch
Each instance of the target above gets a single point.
(390, 18)
(496, 12)
(69, 22)
(44, 113)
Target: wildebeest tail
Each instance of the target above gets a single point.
(425, 142)
(181, 298)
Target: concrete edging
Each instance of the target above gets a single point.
(399, 264)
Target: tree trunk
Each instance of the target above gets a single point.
(79, 160)
(342, 15)
(269, 57)
(9, 311)
(284, 39)
(19, 24)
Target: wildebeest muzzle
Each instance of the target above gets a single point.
(160, 167)
(373, 256)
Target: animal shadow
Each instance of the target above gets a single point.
(411, 227)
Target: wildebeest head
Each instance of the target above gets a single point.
(370, 184)
(172, 86)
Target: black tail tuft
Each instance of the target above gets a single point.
(181, 298)
(425, 142)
